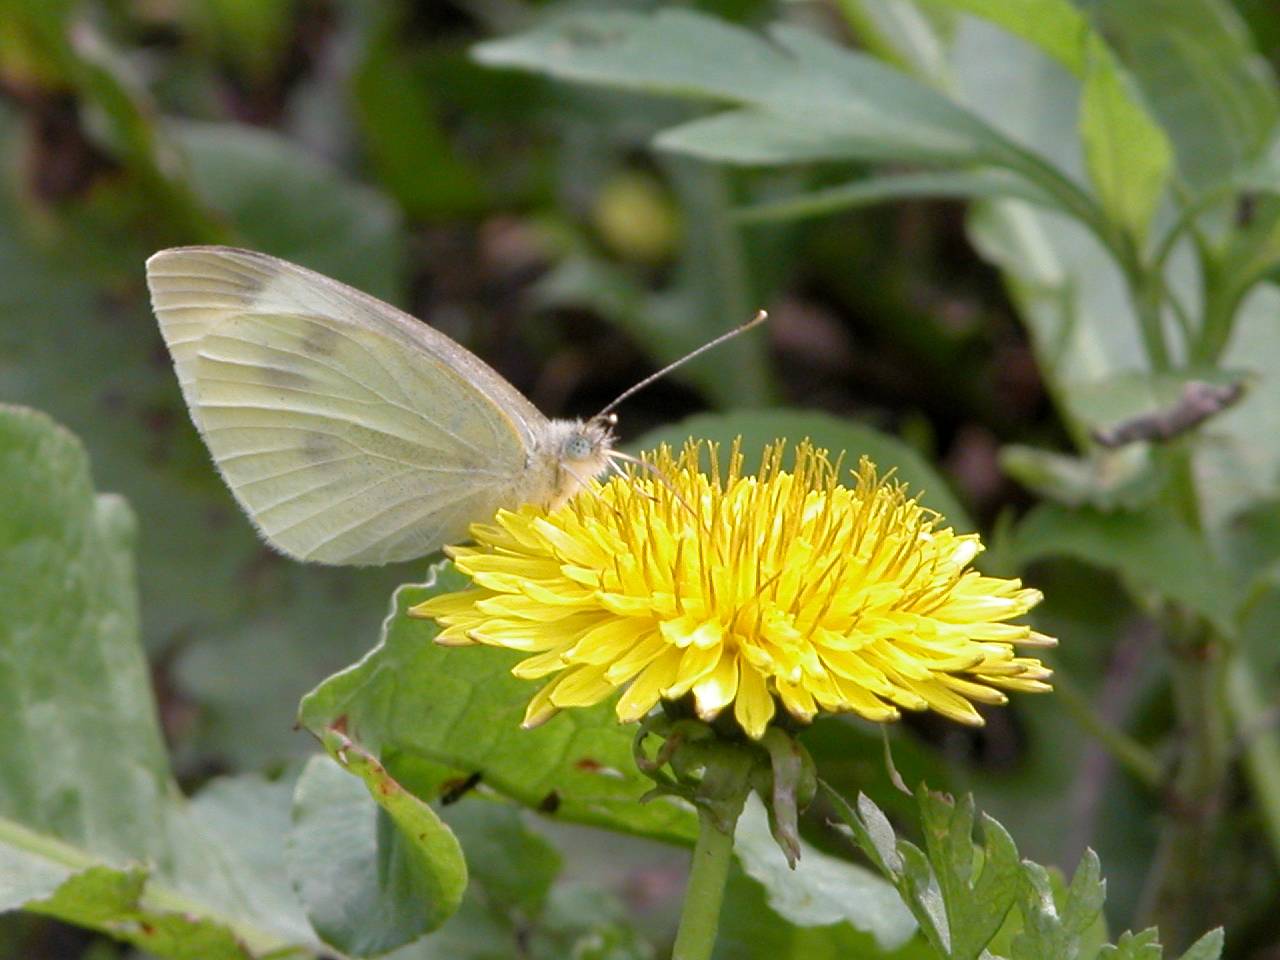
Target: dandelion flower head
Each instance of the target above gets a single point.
(744, 593)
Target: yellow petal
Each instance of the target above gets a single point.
(753, 708)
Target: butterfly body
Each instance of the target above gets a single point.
(350, 432)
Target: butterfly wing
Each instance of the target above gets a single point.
(349, 432)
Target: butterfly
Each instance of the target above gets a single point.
(348, 431)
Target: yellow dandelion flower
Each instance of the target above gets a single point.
(784, 587)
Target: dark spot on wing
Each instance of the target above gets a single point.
(320, 446)
(320, 341)
(550, 803)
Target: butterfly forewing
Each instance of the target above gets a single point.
(349, 432)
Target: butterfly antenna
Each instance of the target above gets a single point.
(760, 317)
(662, 478)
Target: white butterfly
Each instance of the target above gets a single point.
(350, 432)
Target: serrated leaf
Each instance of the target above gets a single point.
(1144, 945)
(1053, 927)
(822, 889)
(460, 706)
(976, 898)
(374, 866)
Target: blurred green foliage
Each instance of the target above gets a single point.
(985, 230)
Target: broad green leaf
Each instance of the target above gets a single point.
(268, 187)
(1151, 548)
(1203, 77)
(903, 33)
(751, 930)
(763, 427)
(822, 890)
(373, 865)
(961, 184)
(399, 110)
(836, 102)
(1126, 152)
(253, 630)
(515, 864)
(1055, 26)
(82, 745)
(460, 706)
(959, 904)
(69, 663)
(512, 908)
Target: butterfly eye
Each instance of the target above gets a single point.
(577, 448)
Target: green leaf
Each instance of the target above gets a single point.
(1053, 927)
(762, 427)
(807, 97)
(72, 669)
(1208, 947)
(960, 184)
(372, 875)
(1126, 152)
(460, 706)
(958, 904)
(268, 188)
(1151, 548)
(1203, 77)
(822, 890)
(976, 897)
(514, 863)
(399, 111)
(751, 930)
(70, 665)
(1055, 26)
(1144, 945)
(1128, 478)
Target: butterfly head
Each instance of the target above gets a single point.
(580, 450)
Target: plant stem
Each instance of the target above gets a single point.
(1124, 749)
(700, 918)
(1260, 740)
(1181, 893)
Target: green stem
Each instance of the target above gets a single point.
(1261, 743)
(1128, 752)
(1179, 891)
(700, 918)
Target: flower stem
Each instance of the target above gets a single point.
(700, 918)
